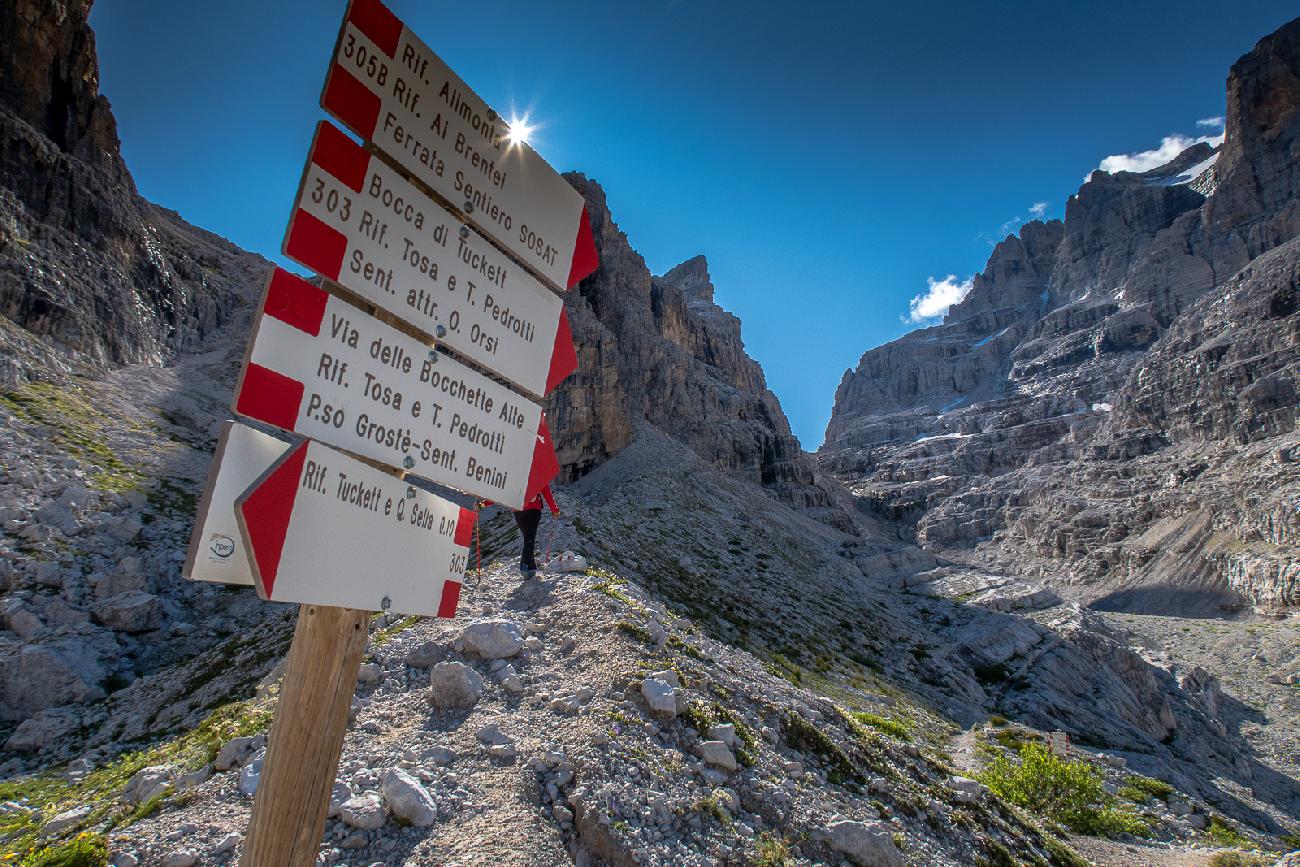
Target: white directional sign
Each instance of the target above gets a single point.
(360, 223)
(325, 529)
(216, 552)
(320, 367)
(389, 88)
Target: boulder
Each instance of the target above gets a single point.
(661, 697)
(865, 844)
(408, 799)
(41, 730)
(148, 782)
(454, 685)
(965, 790)
(492, 639)
(237, 752)
(363, 811)
(133, 611)
(717, 753)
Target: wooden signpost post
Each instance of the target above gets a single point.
(462, 238)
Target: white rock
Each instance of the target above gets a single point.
(667, 676)
(226, 844)
(251, 774)
(868, 845)
(181, 858)
(409, 800)
(965, 790)
(425, 655)
(124, 859)
(533, 644)
(146, 783)
(717, 753)
(660, 695)
(65, 820)
(237, 752)
(454, 685)
(725, 732)
(369, 672)
(363, 811)
(492, 639)
(491, 734)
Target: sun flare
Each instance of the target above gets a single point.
(521, 131)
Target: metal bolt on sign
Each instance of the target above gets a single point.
(464, 231)
(469, 206)
(410, 493)
(433, 355)
(441, 331)
(408, 462)
(385, 604)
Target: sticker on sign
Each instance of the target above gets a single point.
(360, 223)
(216, 552)
(388, 87)
(323, 528)
(320, 367)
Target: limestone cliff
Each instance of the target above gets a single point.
(92, 273)
(658, 350)
(1167, 297)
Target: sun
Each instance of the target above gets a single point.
(521, 131)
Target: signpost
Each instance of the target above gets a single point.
(388, 87)
(416, 544)
(216, 550)
(319, 366)
(358, 222)
(329, 521)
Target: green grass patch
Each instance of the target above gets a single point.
(892, 727)
(1067, 791)
(805, 737)
(78, 428)
(771, 851)
(1062, 855)
(1140, 789)
(83, 850)
(1241, 859)
(1221, 831)
(385, 635)
(636, 630)
(51, 795)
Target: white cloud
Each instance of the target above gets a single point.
(1038, 210)
(1213, 122)
(941, 295)
(1143, 161)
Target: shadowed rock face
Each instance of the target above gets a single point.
(659, 350)
(83, 259)
(1166, 298)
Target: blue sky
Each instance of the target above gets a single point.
(830, 159)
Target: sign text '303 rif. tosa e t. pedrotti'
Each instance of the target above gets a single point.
(388, 87)
(359, 222)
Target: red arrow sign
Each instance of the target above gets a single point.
(322, 528)
(387, 86)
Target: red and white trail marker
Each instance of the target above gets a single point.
(321, 367)
(216, 552)
(360, 223)
(324, 528)
(388, 87)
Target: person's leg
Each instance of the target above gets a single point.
(528, 521)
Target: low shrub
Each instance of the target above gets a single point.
(1067, 791)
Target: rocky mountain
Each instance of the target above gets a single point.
(91, 274)
(658, 350)
(1112, 407)
(756, 666)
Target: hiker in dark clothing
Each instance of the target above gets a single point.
(529, 518)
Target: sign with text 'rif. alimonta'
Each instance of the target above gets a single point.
(325, 529)
(321, 367)
(388, 87)
(358, 222)
(216, 552)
